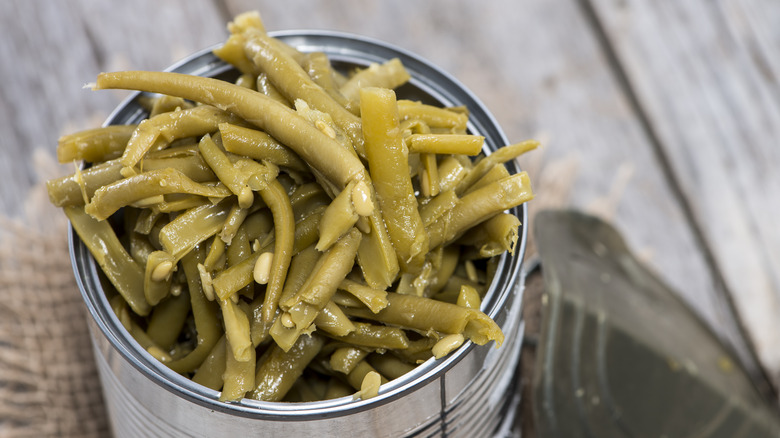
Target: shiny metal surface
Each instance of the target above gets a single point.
(465, 394)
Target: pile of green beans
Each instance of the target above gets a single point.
(299, 234)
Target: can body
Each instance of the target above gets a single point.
(469, 393)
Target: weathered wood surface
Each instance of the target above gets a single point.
(665, 129)
(707, 83)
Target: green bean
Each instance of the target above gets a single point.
(480, 205)
(140, 248)
(239, 376)
(67, 190)
(119, 306)
(429, 175)
(168, 319)
(449, 293)
(445, 143)
(210, 372)
(164, 104)
(307, 198)
(145, 221)
(469, 297)
(317, 66)
(284, 231)
(494, 236)
(234, 278)
(374, 299)
(238, 251)
(204, 312)
(251, 22)
(438, 207)
(265, 86)
(258, 224)
(451, 173)
(414, 126)
(157, 276)
(389, 365)
(259, 175)
(192, 227)
(233, 221)
(339, 217)
(187, 148)
(110, 198)
(450, 256)
(120, 268)
(326, 275)
(333, 321)
(215, 258)
(94, 145)
(277, 369)
(387, 157)
(390, 74)
(231, 280)
(344, 299)
(233, 179)
(294, 83)
(148, 344)
(302, 391)
(192, 166)
(500, 156)
(307, 230)
(425, 314)
(300, 268)
(232, 52)
(359, 373)
(344, 359)
(433, 116)
(496, 173)
(337, 389)
(164, 128)
(259, 146)
(314, 147)
(375, 336)
(237, 330)
(180, 203)
(418, 351)
(247, 80)
(376, 255)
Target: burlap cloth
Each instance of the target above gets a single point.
(49, 385)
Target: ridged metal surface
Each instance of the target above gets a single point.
(466, 394)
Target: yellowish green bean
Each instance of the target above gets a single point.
(259, 146)
(316, 148)
(94, 145)
(445, 143)
(344, 359)
(110, 198)
(387, 156)
(278, 369)
(122, 271)
(210, 372)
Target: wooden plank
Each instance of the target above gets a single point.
(706, 76)
(56, 48)
(540, 68)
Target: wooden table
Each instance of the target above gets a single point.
(663, 116)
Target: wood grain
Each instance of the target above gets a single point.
(706, 79)
(58, 47)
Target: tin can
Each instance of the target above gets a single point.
(470, 393)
